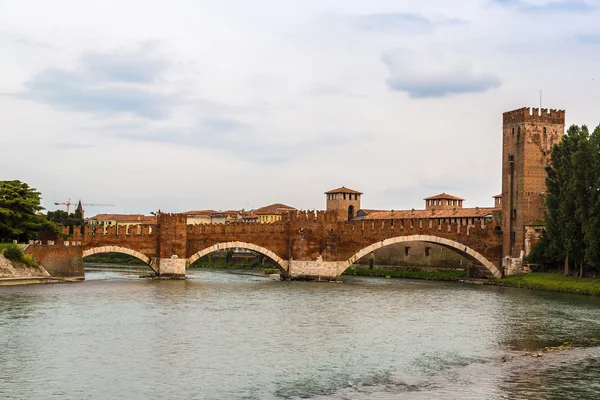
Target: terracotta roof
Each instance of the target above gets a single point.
(343, 190)
(443, 196)
(498, 195)
(476, 212)
(124, 218)
(199, 212)
(367, 212)
(250, 216)
(273, 209)
(229, 212)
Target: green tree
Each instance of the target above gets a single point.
(592, 226)
(19, 205)
(573, 201)
(61, 217)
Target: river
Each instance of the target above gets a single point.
(224, 335)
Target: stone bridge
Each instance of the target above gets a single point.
(304, 244)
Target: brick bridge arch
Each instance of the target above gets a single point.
(483, 264)
(122, 250)
(281, 263)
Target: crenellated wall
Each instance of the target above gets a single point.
(305, 244)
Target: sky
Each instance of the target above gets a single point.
(233, 104)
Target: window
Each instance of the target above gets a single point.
(514, 213)
(427, 251)
(344, 196)
(513, 131)
(406, 251)
(544, 130)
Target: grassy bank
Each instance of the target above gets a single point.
(555, 282)
(442, 276)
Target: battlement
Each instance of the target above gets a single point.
(312, 215)
(526, 114)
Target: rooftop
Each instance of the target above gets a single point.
(476, 212)
(124, 218)
(276, 208)
(200, 212)
(343, 190)
(443, 196)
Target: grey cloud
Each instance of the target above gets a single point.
(422, 77)
(105, 83)
(394, 23)
(141, 65)
(565, 6)
(233, 137)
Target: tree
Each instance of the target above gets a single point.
(573, 200)
(61, 217)
(19, 205)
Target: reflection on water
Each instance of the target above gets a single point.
(223, 335)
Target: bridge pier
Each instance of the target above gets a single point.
(318, 270)
(171, 267)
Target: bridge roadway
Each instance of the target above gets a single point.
(305, 245)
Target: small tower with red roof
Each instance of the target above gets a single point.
(345, 202)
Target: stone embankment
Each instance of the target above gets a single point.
(53, 264)
(12, 269)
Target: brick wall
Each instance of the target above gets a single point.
(59, 261)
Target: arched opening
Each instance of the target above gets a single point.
(106, 252)
(246, 254)
(478, 261)
(350, 213)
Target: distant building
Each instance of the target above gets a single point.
(443, 206)
(199, 217)
(225, 217)
(249, 217)
(119, 220)
(272, 213)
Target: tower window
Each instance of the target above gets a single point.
(544, 130)
(513, 131)
(427, 251)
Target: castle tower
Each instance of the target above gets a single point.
(527, 139)
(345, 202)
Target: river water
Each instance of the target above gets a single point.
(223, 335)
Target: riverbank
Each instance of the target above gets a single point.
(455, 276)
(554, 282)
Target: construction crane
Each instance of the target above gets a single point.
(68, 205)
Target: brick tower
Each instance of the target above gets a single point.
(527, 139)
(345, 202)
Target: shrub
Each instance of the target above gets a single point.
(228, 256)
(13, 253)
(270, 271)
(29, 260)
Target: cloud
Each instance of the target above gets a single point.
(566, 6)
(422, 77)
(395, 23)
(106, 83)
(232, 137)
